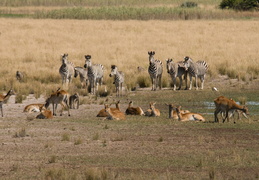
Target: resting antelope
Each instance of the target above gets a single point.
(74, 101)
(154, 111)
(33, 108)
(134, 110)
(173, 113)
(45, 114)
(103, 113)
(58, 97)
(4, 99)
(116, 114)
(188, 116)
(224, 104)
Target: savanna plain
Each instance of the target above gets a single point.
(84, 146)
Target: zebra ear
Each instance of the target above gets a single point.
(153, 53)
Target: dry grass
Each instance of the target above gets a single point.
(34, 47)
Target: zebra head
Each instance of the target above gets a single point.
(187, 62)
(87, 61)
(151, 56)
(76, 72)
(64, 58)
(169, 64)
(114, 70)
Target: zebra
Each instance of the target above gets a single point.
(66, 70)
(95, 73)
(195, 69)
(155, 71)
(118, 79)
(175, 70)
(82, 72)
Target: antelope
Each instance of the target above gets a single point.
(103, 113)
(4, 99)
(33, 108)
(134, 110)
(173, 113)
(58, 97)
(226, 105)
(116, 114)
(154, 111)
(45, 114)
(74, 101)
(188, 116)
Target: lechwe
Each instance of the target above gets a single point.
(226, 105)
(114, 115)
(173, 113)
(103, 113)
(4, 99)
(152, 111)
(58, 97)
(134, 110)
(188, 116)
(45, 114)
(33, 108)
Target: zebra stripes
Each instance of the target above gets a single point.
(95, 73)
(66, 70)
(118, 79)
(175, 70)
(155, 71)
(82, 72)
(195, 69)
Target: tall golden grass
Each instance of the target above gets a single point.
(34, 47)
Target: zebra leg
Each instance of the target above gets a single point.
(190, 88)
(174, 83)
(202, 81)
(152, 81)
(185, 77)
(196, 82)
(160, 81)
(181, 81)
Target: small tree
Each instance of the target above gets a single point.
(242, 5)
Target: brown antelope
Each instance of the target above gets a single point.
(154, 111)
(33, 108)
(58, 97)
(4, 99)
(45, 114)
(134, 110)
(114, 115)
(188, 116)
(74, 101)
(103, 113)
(172, 112)
(226, 105)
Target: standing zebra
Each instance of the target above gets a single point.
(66, 70)
(118, 79)
(95, 73)
(175, 70)
(195, 69)
(155, 71)
(82, 72)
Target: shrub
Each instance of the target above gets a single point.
(143, 81)
(243, 5)
(189, 4)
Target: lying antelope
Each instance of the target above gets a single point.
(152, 111)
(103, 113)
(45, 114)
(226, 105)
(188, 116)
(33, 108)
(59, 97)
(172, 111)
(134, 110)
(4, 99)
(74, 101)
(114, 115)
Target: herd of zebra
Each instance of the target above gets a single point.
(92, 74)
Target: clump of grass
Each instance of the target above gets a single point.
(78, 141)
(96, 137)
(242, 100)
(19, 98)
(106, 127)
(161, 139)
(53, 159)
(95, 174)
(65, 137)
(189, 4)
(21, 133)
(143, 81)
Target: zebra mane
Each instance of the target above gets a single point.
(113, 66)
(158, 61)
(87, 56)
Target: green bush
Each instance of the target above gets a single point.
(243, 5)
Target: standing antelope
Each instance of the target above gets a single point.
(175, 70)
(103, 113)
(95, 73)
(225, 105)
(66, 70)
(172, 112)
(134, 110)
(82, 72)
(118, 79)
(59, 97)
(4, 99)
(116, 114)
(74, 101)
(195, 69)
(188, 116)
(155, 71)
